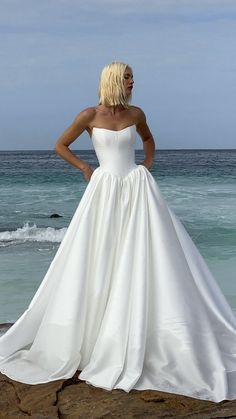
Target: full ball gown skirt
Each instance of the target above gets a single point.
(128, 300)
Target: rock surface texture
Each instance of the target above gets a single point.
(75, 399)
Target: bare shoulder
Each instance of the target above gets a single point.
(141, 123)
(85, 116)
(138, 114)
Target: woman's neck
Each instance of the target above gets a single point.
(112, 110)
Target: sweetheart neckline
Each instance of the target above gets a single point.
(107, 129)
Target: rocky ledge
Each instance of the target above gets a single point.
(75, 399)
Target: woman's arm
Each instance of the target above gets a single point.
(147, 138)
(78, 126)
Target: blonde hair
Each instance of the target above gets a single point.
(111, 86)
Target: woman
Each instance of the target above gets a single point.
(112, 112)
(128, 299)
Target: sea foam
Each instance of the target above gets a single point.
(32, 233)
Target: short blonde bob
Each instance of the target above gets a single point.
(111, 86)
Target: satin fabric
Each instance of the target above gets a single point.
(128, 300)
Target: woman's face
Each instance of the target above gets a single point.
(128, 81)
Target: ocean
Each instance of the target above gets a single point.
(199, 185)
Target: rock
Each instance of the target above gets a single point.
(22, 400)
(4, 327)
(55, 216)
(75, 399)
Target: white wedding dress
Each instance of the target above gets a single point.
(128, 300)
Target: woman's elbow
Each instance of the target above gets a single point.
(57, 147)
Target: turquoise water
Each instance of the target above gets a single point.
(199, 185)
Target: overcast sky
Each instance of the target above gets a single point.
(182, 53)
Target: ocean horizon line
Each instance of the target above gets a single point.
(137, 149)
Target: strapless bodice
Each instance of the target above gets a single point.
(115, 150)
